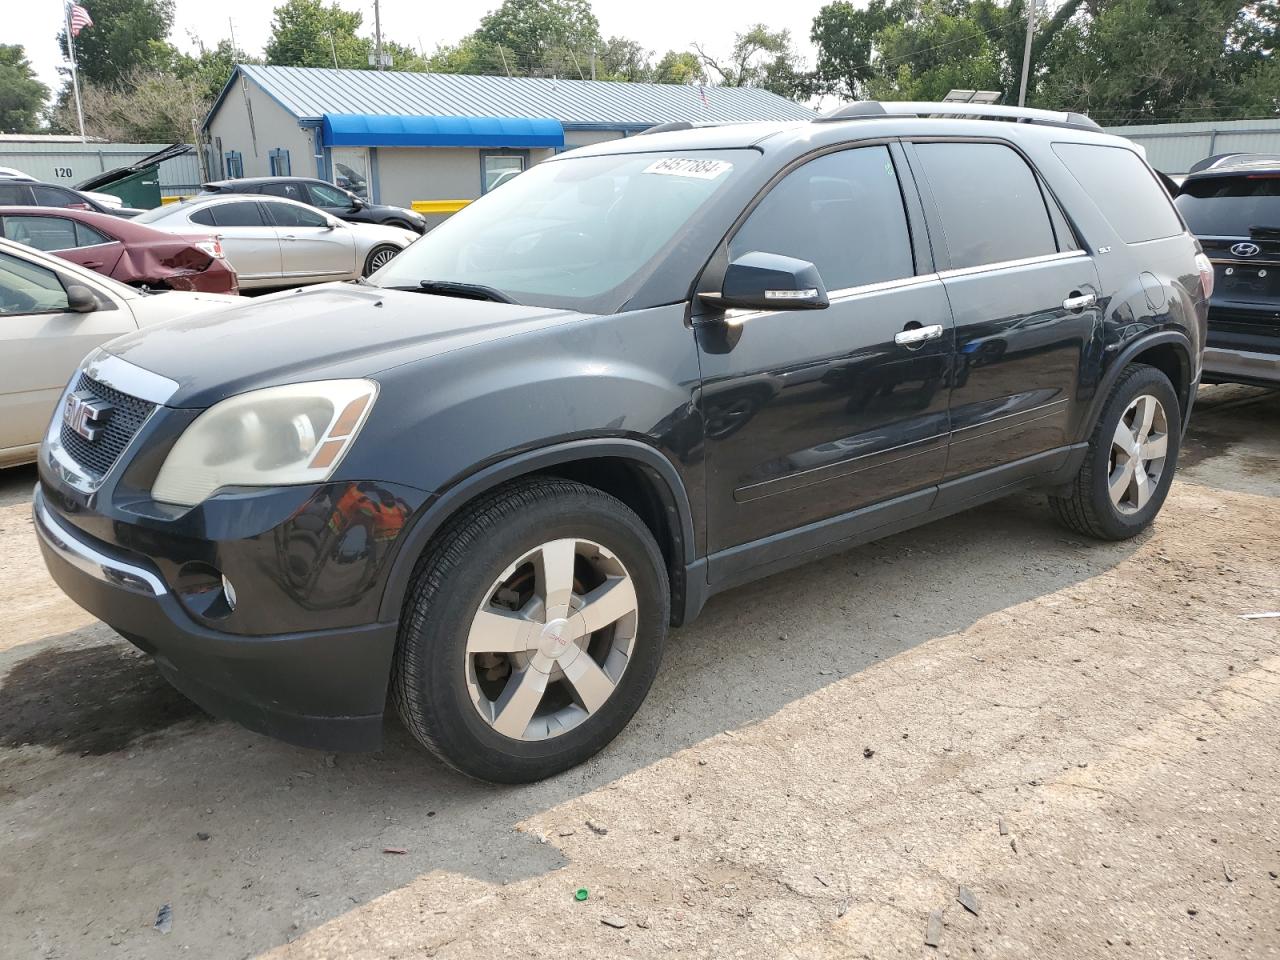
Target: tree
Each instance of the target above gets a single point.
(22, 96)
(306, 33)
(679, 66)
(621, 59)
(760, 58)
(126, 35)
(209, 70)
(543, 35)
(144, 106)
(845, 37)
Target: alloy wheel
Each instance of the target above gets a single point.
(1138, 449)
(551, 640)
(381, 258)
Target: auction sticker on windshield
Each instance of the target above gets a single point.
(688, 167)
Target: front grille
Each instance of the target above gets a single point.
(128, 414)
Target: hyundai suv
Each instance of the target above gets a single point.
(1232, 203)
(486, 480)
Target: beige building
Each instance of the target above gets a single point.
(437, 141)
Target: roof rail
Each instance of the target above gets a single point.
(665, 127)
(868, 109)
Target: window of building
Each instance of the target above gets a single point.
(235, 164)
(287, 215)
(351, 169)
(278, 160)
(843, 213)
(497, 168)
(989, 202)
(1124, 189)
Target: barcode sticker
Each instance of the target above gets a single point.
(688, 167)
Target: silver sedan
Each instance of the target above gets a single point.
(274, 242)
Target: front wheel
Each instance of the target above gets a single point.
(532, 631)
(1132, 454)
(379, 257)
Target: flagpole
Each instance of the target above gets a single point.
(75, 74)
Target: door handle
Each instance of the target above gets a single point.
(1078, 301)
(918, 335)
(288, 236)
(92, 263)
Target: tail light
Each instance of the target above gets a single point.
(1206, 274)
(212, 247)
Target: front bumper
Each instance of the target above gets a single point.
(1241, 366)
(319, 688)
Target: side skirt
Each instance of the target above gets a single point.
(761, 558)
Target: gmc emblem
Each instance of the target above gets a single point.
(86, 414)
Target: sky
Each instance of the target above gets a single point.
(659, 25)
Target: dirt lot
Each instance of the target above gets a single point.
(1086, 737)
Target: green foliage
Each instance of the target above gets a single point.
(760, 58)
(542, 36)
(126, 35)
(22, 96)
(679, 66)
(307, 33)
(143, 106)
(209, 71)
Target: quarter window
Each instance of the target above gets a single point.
(843, 213)
(290, 191)
(55, 197)
(1124, 189)
(15, 194)
(29, 288)
(86, 236)
(989, 202)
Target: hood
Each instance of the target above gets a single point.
(176, 304)
(323, 332)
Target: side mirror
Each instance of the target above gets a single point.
(80, 299)
(770, 281)
(356, 203)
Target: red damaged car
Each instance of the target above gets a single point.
(123, 250)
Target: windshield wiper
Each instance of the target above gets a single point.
(456, 288)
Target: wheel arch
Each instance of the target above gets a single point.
(635, 472)
(1170, 352)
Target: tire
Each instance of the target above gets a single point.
(375, 260)
(1091, 508)
(451, 698)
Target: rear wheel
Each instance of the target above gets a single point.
(532, 631)
(379, 257)
(1132, 455)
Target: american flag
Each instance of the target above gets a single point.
(79, 19)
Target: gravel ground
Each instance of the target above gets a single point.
(1085, 738)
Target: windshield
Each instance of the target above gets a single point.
(570, 233)
(1230, 206)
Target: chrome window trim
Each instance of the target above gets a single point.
(118, 374)
(1010, 264)
(90, 560)
(735, 317)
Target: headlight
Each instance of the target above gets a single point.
(273, 437)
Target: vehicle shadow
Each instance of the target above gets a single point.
(1225, 418)
(305, 832)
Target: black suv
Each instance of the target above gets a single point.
(334, 201)
(1232, 203)
(491, 476)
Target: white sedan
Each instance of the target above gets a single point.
(274, 242)
(53, 313)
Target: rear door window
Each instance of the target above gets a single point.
(244, 213)
(86, 236)
(287, 215)
(1231, 206)
(842, 212)
(43, 233)
(1124, 188)
(989, 201)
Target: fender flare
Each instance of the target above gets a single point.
(1124, 358)
(446, 503)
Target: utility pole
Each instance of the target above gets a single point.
(1026, 51)
(235, 51)
(593, 61)
(334, 50)
(377, 33)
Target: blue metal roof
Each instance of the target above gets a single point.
(311, 92)
(375, 130)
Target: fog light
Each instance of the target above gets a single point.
(229, 592)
